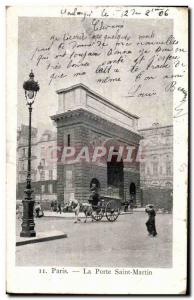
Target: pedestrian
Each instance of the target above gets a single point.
(150, 224)
(131, 204)
(55, 206)
(59, 207)
(52, 205)
(38, 210)
(126, 205)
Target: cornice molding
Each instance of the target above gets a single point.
(83, 116)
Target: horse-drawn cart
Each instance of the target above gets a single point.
(108, 206)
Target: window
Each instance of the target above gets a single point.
(160, 170)
(168, 184)
(68, 179)
(155, 183)
(168, 168)
(167, 131)
(42, 151)
(54, 187)
(155, 168)
(148, 171)
(154, 141)
(68, 140)
(42, 188)
(42, 175)
(50, 152)
(50, 188)
(43, 162)
(168, 140)
(34, 177)
(50, 174)
(143, 168)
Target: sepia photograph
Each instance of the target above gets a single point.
(101, 93)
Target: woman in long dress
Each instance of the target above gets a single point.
(150, 224)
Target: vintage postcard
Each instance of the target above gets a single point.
(97, 150)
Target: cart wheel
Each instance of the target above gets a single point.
(97, 214)
(112, 210)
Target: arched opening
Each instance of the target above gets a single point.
(115, 175)
(132, 191)
(168, 184)
(96, 182)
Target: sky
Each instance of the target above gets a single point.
(36, 32)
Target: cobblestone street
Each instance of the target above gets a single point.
(123, 243)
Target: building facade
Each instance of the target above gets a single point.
(70, 160)
(156, 165)
(87, 123)
(43, 169)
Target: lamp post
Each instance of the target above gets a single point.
(31, 88)
(40, 169)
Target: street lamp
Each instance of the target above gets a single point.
(40, 169)
(31, 88)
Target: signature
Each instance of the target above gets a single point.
(180, 108)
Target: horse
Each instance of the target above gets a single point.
(86, 208)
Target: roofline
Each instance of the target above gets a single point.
(80, 85)
(158, 127)
(36, 143)
(64, 114)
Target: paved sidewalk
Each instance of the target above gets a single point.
(44, 236)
